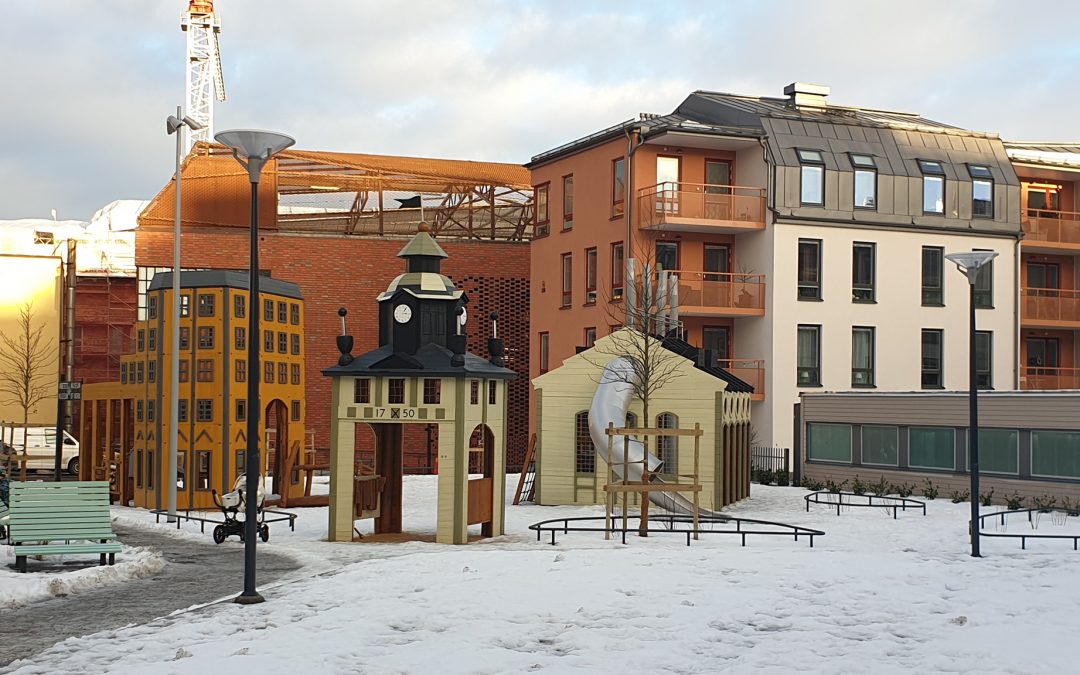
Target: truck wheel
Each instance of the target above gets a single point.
(73, 466)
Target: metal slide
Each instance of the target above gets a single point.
(610, 403)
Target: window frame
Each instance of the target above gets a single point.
(933, 171)
(810, 442)
(206, 337)
(207, 304)
(283, 312)
(862, 444)
(938, 253)
(1034, 450)
(544, 348)
(618, 270)
(816, 286)
(204, 370)
(395, 391)
(983, 451)
(185, 337)
(869, 166)
(204, 410)
(859, 289)
(542, 209)
(567, 279)
(668, 445)
(294, 373)
(240, 338)
(981, 174)
(185, 305)
(294, 313)
(568, 202)
(988, 372)
(952, 453)
(239, 306)
(618, 185)
(810, 165)
(268, 311)
(584, 449)
(432, 391)
(984, 284)
(940, 370)
(591, 262)
(871, 370)
(590, 337)
(815, 329)
(240, 370)
(185, 370)
(362, 390)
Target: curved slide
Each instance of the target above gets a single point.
(610, 403)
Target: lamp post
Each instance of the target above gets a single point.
(175, 124)
(253, 149)
(969, 263)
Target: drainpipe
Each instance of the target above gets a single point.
(631, 195)
(1016, 315)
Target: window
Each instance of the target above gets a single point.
(204, 410)
(984, 351)
(1044, 279)
(268, 340)
(932, 370)
(268, 372)
(865, 181)
(151, 371)
(862, 272)
(544, 345)
(879, 445)
(395, 391)
(294, 373)
(240, 339)
(185, 337)
(999, 450)
(182, 410)
(202, 469)
(283, 343)
(474, 392)
(584, 450)
(151, 340)
(294, 314)
(540, 199)
(138, 469)
(241, 462)
(567, 279)
(667, 447)
(811, 178)
(240, 370)
(206, 337)
(139, 371)
(294, 411)
(618, 186)
(809, 357)
(206, 304)
(933, 186)
(295, 341)
(1055, 454)
(862, 356)
(828, 442)
(185, 305)
(268, 310)
(42, 237)
(984, 285)
(982, 191)
(667, 255)
(932, 448)
(140, 340)
(123, 373)
(204, 370)
(283, 373)
(150, 469)
(239, 306)
(491, 392)
(933, 292)
(283, 312)
(432, 391)
(362, 390)
(809, 269)
(590, 337)
(618, 265)
(151, 410)
(139, 410)
(151, 307)
(185, 370)
(590, 276)
(568, 202)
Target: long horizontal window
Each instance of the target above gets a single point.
(999, 451)
(1055, 454)
(932, 448)
(879, 445)
(829, 442)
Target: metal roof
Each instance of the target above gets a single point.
(225, 278)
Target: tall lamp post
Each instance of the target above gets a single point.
(253, 149)
(175, 125)
(969, 263)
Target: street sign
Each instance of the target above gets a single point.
(71, 396)
(71, 391)
(71, 386)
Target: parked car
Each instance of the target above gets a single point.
(42, 441)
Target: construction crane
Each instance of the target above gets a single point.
(203, 77)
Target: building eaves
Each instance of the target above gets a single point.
(1065, 155)
(226, 279)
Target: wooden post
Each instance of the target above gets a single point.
(608, 494)
(697, 448)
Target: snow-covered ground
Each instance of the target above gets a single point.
(874, 595)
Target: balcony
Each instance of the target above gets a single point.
(750, 371)
(694, 207)
(1049, 231)
(1049, 308)
(1049, 378)
(720, 293)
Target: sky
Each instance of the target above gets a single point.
(89, 84)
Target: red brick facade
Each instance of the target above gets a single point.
(105, 314)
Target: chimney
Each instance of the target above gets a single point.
(805, 95)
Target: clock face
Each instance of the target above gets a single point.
(402, 313)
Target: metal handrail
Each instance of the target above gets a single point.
(1051, 225)
(672, 520)
(1049, 377)
(735, 290)
(1033, 522)
(703, 201)
(1053, 304)
(884, 502)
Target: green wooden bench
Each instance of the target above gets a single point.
(48, 518)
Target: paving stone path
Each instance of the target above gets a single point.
(193, 574)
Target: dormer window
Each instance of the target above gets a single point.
(812, 177)
(933, 186)
(982, 191)
(865, 181)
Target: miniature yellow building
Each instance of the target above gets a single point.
(126, 424)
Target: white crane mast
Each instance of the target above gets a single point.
(203, 79)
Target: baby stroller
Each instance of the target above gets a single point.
(233, 503)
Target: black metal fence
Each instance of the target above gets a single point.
(769, 465)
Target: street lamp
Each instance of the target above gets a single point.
(175, 125)
(969, 263)
(253, 149)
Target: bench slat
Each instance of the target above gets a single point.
(43, 533)
(96, 511)
(49, 549)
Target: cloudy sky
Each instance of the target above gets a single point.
(88, 84)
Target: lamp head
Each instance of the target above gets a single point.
(173, 123)
(253, 148)
(969, 262)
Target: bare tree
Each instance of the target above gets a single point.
(25, 359)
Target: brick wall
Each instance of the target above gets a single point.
(105, 314)
(338, 271)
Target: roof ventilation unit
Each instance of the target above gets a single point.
(805, 95)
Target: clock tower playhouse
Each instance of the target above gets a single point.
(421, 373)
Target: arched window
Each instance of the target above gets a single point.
(631, 420)
(584, 453)
(667, 447)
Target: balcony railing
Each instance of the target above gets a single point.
(721, 293)
(750, 371)
(701, 207)
(1050, 306)
(1049, 378)
(1052, 227)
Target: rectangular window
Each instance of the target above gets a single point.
(140, 340)
(150, 469)
(982, 191)
(185, 337)
(240, 370)
(204, 370)
(618, 186)
(139, 410)
(295, 344)
(202, 469)
(151, 340)
(567, 279)
(618, 265)
(584, 450)
(294, 373)
(294, 314)
(151, 307)
(395, 391)
(999, 451)
(204, 410)
(545, 343)
(139, 371)
(543, 217)
(241, 410)
(185, 305)
(239, 306)
(474, 392)
(185, 370)
(862, 272)
(139, 469)
(268, 372)
(984, 359)
(240, 339)
(811, 178)
(590, 337)
(809, 357)
(932, 448)
(206, 337)
(667, 255)
(491, 392)
(206, 304)
(432, 391)
(933, 290)
(984, 285)
(151, 371)
(932, 370)
(241, 462)
(283, 312)
(268, 310)
(283, 343)
(1055, 454)
(362, 390)
(568, 202)
(809, 269)
(865, 181)
(151, 410)
(590, 276)
(828, 442)
(123, 373)
(268, 341)
(283, 373)
(880, 445)
(182, 410)
(294, 411)
(862, 356)
(933, 186)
